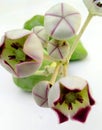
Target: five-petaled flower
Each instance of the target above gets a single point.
(94, 6)
(70, 97)
(62, 21)
(21, 52)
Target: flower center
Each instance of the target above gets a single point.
(18, 53)
(98, 2)
(71, 97)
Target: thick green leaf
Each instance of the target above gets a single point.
(80, 52)
(36, 20)
(29, 82)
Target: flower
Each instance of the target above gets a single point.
(62, 21)
(70, 97)
(58, 50)
(94, 6)
(21, 52)
(41, 34)
(40, 93)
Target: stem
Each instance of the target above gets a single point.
(54, 76)
(89, 17)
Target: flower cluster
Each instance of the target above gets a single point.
(45, 52)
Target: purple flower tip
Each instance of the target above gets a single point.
(82, 114)
(61, 116)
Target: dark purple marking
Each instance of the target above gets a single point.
(39, 36)
(15, 45)
(61, 116)
(2, 48)
(54, 15)
(91, 100)
(53, 50)
(70, 107)
(82, 114)
(99, 4)
(60, 53)
(12, 57)
(62, 9)
(72, 29)
(37, 95)
(72, 14)
(54, 29)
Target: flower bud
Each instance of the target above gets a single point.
(70, 97)
(40, 93)
(21, 52)
(62, 21)
(94, 6)
(41, 34)
(58, 50)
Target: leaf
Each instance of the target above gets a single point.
(29, 82)
(80, 52)
(36, 20)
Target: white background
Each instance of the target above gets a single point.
(18, 110)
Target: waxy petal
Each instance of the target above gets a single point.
(33, 48)
(72, 107)
(40, 93)
(82, 114)
(25, 69)
(16, 34)
(8, 67)
(41, 34)
(62, 21)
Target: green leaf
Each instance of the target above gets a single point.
(36, 20)
(80, 52)
(29, 82)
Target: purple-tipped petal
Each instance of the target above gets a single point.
(91, 100)
(33, 48)
(40, 93)
(82, 114)
(25, 69)
(62, 118)
(16, 34)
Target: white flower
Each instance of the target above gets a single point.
(70, 97)
(21, 52)
(62, 21)
(94, 6)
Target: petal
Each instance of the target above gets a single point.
(62, 118)
(62, 21)
(91, 100)
(17, 33)
(25, 69)
(40, 93)
(73, 83)
(82, 114)
(41, 34)
(7, 66)
(33, 47)
(2, 41)
(54, 95)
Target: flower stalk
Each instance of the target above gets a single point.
(89, 17)
(54, 76)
